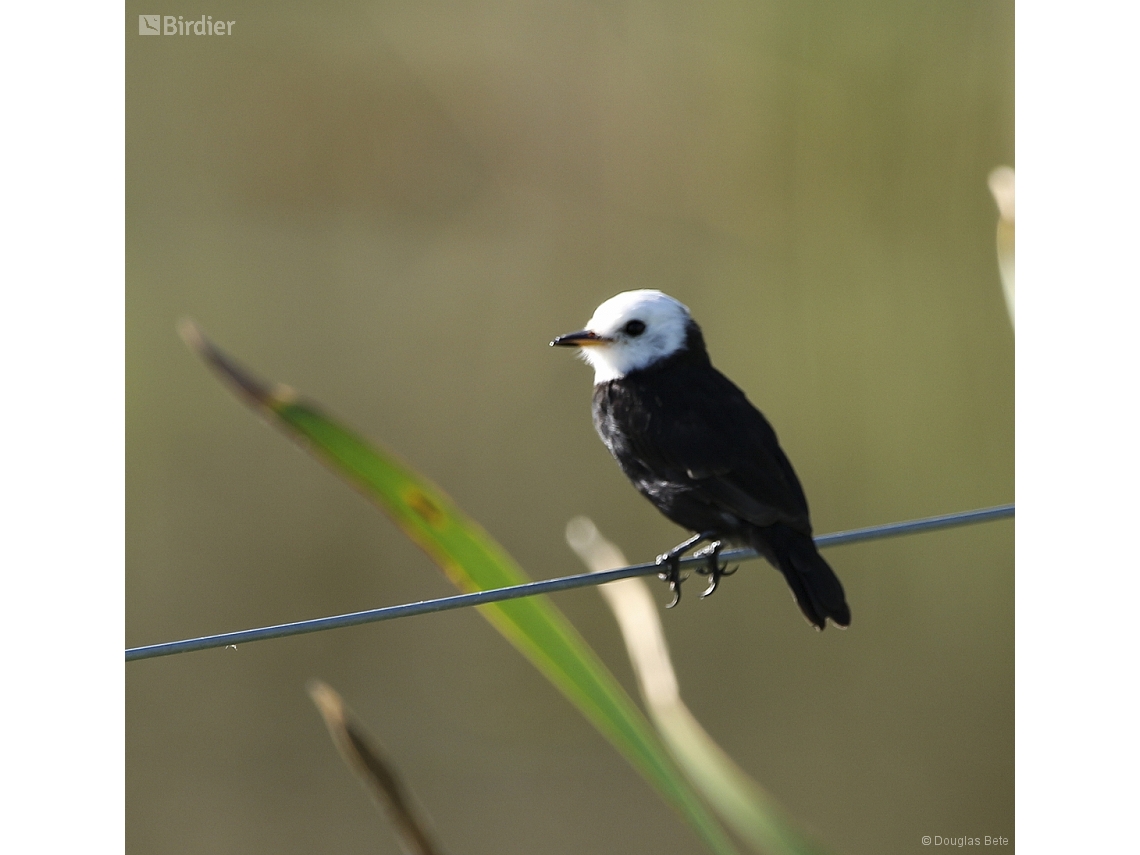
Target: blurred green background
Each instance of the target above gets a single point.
(393, 207)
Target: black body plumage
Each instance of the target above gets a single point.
(692, 443)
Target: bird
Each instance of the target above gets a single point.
(695, 446)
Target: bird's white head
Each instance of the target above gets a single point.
(631, 331)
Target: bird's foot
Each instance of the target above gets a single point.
(715, 575)
(713, 568)
(672, 559)
(672, 575)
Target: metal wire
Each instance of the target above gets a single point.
(547, 586)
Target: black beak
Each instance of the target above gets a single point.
(585, 338)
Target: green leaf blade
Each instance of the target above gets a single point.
(474, 561)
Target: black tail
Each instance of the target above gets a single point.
(815, 587)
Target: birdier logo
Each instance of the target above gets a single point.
(172, 25)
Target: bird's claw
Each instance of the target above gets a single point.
(672, 576)
(716, 576)
(714, 569)
(672, 559)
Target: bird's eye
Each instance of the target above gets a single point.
(634, 327)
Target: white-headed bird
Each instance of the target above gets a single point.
(692, 443)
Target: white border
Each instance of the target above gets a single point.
(1078, 148)
(63, 494)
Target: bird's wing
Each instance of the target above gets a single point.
(709, 436)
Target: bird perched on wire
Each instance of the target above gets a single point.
(692, 443)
